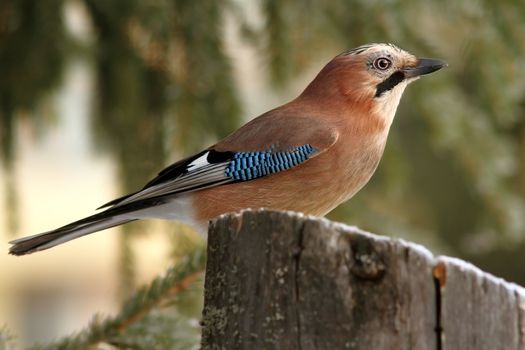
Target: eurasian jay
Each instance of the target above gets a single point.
(308, 155)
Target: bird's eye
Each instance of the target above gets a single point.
(382, 63)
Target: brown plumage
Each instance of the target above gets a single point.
(309, 155)
(339, 101)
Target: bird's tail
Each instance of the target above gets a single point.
(31, 244)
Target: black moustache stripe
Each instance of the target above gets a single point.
(389, 83)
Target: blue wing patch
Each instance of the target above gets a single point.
(251, 165)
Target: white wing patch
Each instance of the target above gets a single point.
(199, 162)
(199, 174)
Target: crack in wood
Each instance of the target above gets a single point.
(438, 326)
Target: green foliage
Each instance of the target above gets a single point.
(153, 317)
(32, 47)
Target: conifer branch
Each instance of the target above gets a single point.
(178, 278)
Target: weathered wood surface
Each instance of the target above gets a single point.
(285, 281)
(478, 310)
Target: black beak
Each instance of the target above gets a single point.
(424, 66)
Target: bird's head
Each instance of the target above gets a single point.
(372, 77)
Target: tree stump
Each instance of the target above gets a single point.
(281, 280)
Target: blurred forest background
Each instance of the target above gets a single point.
(96, 96)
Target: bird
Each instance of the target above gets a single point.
(308, 155)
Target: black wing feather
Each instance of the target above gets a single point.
(174, 171)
